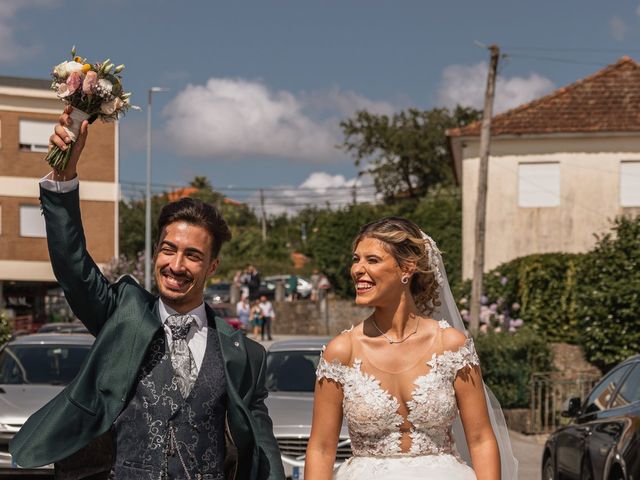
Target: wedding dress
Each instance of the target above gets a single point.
(374, 422)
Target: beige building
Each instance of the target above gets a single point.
(561, 168)
(28, 113)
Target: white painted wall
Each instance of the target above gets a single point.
(589, 195)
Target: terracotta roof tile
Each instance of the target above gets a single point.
(607, 101)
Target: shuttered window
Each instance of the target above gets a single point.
(31, 222)
(630, 183)
(34, 135)
(539, 184)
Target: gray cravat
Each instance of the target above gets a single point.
(184, 366)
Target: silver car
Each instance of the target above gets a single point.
(291, 378)
(33, 370)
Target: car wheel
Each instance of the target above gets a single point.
(547, 469)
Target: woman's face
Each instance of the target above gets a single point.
(376, 274)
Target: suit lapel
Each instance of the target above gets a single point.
(232, 347)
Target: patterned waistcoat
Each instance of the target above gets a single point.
(161, 435)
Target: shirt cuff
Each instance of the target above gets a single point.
(59, 187)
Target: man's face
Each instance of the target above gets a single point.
(263, 298)
(183, 262)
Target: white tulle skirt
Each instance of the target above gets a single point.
(431, 467)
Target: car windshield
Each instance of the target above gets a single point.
(293, 371)
(42, 364)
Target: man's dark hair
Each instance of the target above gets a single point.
(196, 212)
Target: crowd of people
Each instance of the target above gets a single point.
(254, 309)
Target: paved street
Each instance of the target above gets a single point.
(527, 449)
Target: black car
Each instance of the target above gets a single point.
(602, 442)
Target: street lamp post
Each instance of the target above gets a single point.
(147, 211)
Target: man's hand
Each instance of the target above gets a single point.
(61, 139)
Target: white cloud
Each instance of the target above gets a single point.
(236, 118)
(466, 84)
(320, 189)
(619, 28)
(10, 48)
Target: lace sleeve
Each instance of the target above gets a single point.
(466, 356)
(331, 370)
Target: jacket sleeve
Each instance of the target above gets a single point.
(88, 292)
(270, 462)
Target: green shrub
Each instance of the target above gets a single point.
(507, 361)
(537, 289)
(608, 296)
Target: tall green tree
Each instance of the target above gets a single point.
(406, 153)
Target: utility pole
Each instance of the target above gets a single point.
(481, 201)
(264, 217)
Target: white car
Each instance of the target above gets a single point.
(33, 370)
(291, 379)
(303, 288)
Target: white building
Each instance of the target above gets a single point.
(561, 168)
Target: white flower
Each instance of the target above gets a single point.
(73, 67)
(111, 106)
(105, 85)
(60, 70)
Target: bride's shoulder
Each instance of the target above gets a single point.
(453, 339)
(339, 348)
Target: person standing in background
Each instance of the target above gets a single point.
(243, 310)
(268, 316)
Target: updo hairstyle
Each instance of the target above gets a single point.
(403, 239)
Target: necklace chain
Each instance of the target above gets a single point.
(391, 340)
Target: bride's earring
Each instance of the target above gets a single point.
(405, 279)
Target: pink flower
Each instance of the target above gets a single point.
(90, 82)
(74, 81)
(63, 90)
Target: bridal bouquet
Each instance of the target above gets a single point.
(94, 90)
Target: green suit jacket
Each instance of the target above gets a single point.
(124, 318)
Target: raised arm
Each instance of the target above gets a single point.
(472, 404)
(327, 410)
(85, 288)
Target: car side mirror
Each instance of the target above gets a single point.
(571, 407)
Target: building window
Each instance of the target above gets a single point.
(31, 222)
(539, 184)
(34, 135)
(630, 183)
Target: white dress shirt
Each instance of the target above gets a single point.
(197, 336)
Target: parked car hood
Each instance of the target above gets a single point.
(292, 412)
(18, 402)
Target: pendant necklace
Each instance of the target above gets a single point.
(391, 340)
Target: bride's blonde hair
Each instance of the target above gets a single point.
(403, 239)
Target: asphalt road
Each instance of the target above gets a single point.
(527, 449)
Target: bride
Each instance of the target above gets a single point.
(403, 376)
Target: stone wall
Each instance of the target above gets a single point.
(317, 318)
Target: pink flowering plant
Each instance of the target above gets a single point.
(94, 90)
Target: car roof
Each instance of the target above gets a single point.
(311, 343)
(54, 339)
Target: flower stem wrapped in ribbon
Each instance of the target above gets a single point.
(94, 91)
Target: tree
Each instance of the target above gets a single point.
(608, 299)
(406, 153)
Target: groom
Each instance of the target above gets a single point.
(168, 391)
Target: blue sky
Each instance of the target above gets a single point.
(257, 88)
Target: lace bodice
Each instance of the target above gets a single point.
(372, 413)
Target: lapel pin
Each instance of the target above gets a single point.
(237, 344)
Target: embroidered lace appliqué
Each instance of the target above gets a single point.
(372, 412)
